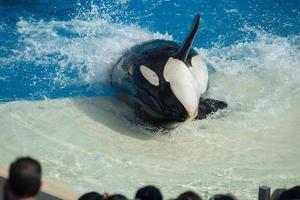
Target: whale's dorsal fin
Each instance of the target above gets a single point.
(185, 47)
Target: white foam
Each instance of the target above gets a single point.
(258, 78)
(232, 10)
(88, 47)
(82, 141)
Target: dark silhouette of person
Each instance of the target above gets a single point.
(189, 195)
(24, 181)
(149, 192)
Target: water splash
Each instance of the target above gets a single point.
(259, 79)
(71, 57)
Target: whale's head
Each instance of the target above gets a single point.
(170, 86)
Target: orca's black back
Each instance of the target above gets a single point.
(153, 54)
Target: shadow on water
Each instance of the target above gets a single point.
(114, 114)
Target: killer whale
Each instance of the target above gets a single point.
(165, 81)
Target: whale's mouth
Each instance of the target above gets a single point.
(160, 118)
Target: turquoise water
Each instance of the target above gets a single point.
(48, 48)
(57, 104)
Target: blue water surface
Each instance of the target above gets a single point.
(223, 23)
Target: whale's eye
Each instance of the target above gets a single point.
(149, 75)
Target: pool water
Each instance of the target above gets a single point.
(58, 106)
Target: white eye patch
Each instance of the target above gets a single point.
(149, 75)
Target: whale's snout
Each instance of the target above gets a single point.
(191, 114)
(182, 85)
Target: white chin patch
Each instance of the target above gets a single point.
(149, 75)
(182, 85)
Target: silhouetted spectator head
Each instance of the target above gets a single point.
(148, 193)
(291, 194)
(91, 196)
(223, 197)
(116, 197)
(24, 177)
(189, 195)
(276, 194)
